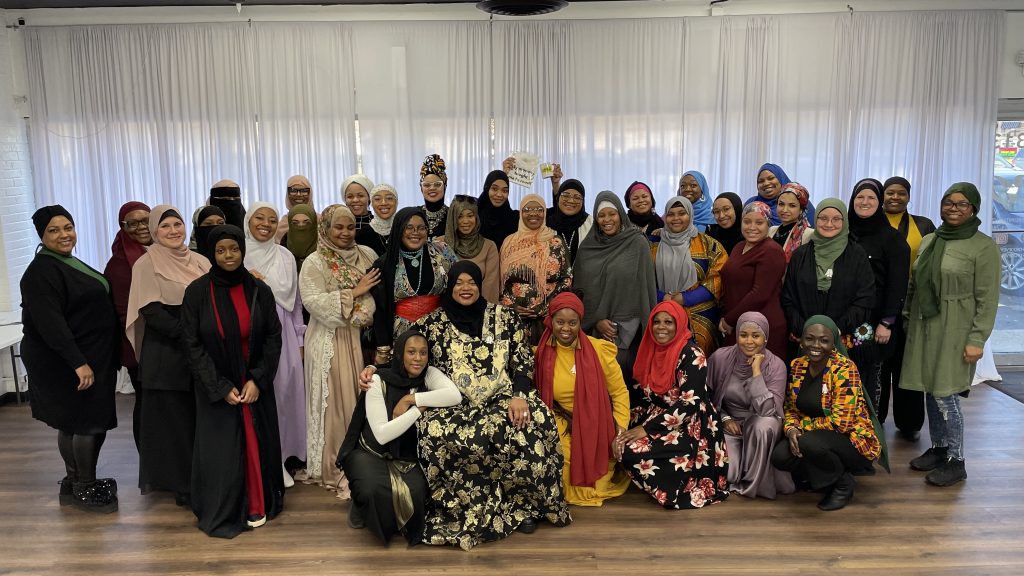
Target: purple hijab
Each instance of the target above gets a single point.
(731, 360)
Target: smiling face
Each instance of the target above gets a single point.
(357, 198)
(498, 192)
(640, 201)
(136, 224)
(956, 209)
(466, 291)
(788, 208)
(414, 234)
(768, 186)
(60, 235)
(342, 232)
(724, 213)
(533, 215)
(829, 222)
(690, 189)
(663, 327)
(466, 222)
(818, 343)
(170, 232)
(609, 222)
(865, 203)
(750, 339)
(228, 254)
(263, 224)
(570, 202)
(432, 187)
(677, 219)
(895, 198)
(415, 355)
(754, 227)
(384, 205)
(565, 325)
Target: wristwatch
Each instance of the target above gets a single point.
(887, 324)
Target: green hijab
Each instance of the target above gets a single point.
(77, 265)
(828, 323)
(302, 241)
(827, 250)
(929, 262)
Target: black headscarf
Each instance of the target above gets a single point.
(43, 216)
(231, 359)
(565, 225)
(877, 222)
(203, 232)
(729, 237)
(388, 264)
(229, 200)
(467, 319)
(897, 180)
(496, 222)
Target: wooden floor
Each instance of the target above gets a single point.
(896, 524)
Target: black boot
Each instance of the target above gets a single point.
(930, 460)
(355, 520)
(94, 497)
(67, 491)
(841, 494)
(948, 473)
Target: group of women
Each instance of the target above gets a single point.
(519, 360)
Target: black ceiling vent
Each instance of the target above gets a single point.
(521, 7)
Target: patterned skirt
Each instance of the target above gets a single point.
(485, 476)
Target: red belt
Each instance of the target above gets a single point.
(415, 307)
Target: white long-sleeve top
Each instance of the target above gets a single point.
(441, 393)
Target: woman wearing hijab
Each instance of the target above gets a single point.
(413, 275)
(129, 245)
(463, 235)
(492, 463)
(334, 284)
(675, 450)
(433, 186)
(301, 237)
(233, 336)
(640, 205)
(299, 192)
(204, 221)
(687, 266)
(726, 210)
(567, 217)
(752, 279)
(227, 195)
(385, 203)
(534, 267)
(70, 350)
(576, 375)
(356, 192)
(770, 180)
(748, 385)
(498, 219)
(167, 422)
(907, 405)
(889, 258)
(276, 267)
(694, 187)
(615, 255)
(830, 432)
(830, 276)
(950, 312)
(389, 491)
(794, 230)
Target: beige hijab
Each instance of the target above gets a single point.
(160, 275)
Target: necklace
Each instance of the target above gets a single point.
(568, 243)
(436, 219)
(414, 261)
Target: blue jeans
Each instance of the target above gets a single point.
(946, 424)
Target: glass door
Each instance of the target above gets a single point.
(1008, 232)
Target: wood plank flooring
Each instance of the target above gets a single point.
(896, 524)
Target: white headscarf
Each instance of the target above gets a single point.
(273, 261)
(674, 266)
(380, 225)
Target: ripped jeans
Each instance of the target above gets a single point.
(946, 424)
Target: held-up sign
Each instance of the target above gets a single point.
(524, 170)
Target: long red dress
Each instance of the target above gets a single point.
(752, 282)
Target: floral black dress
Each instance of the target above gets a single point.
(485, 476)
(682, 461)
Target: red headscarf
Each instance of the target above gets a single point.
(655, 367)
(125, 246)
(593, 426)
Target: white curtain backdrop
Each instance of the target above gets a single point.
(159, 113)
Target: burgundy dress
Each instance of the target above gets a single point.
(752, 282)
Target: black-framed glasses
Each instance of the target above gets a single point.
(134, 224)
(961, 206)
(298, 191)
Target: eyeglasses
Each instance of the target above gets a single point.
(298, 191)
(465, 198)
(834, 221)
(571, 197)
(532, 210)
(134, 224)
(410, 228)
(960, 206)
(432, 185)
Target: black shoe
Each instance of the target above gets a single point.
(948, 473)
(355, 521)
(183, 499)
(840, 495)
(527, 526)
(94, 497)
(909, 435)
(67, 491)
(930, 460)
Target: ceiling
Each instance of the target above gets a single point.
(28, 4)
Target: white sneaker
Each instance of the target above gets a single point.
(288, 480)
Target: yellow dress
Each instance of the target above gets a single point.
(615, 482)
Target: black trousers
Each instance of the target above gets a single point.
(370, 483)
(907, 405)
(133, 375)
(827, 455)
